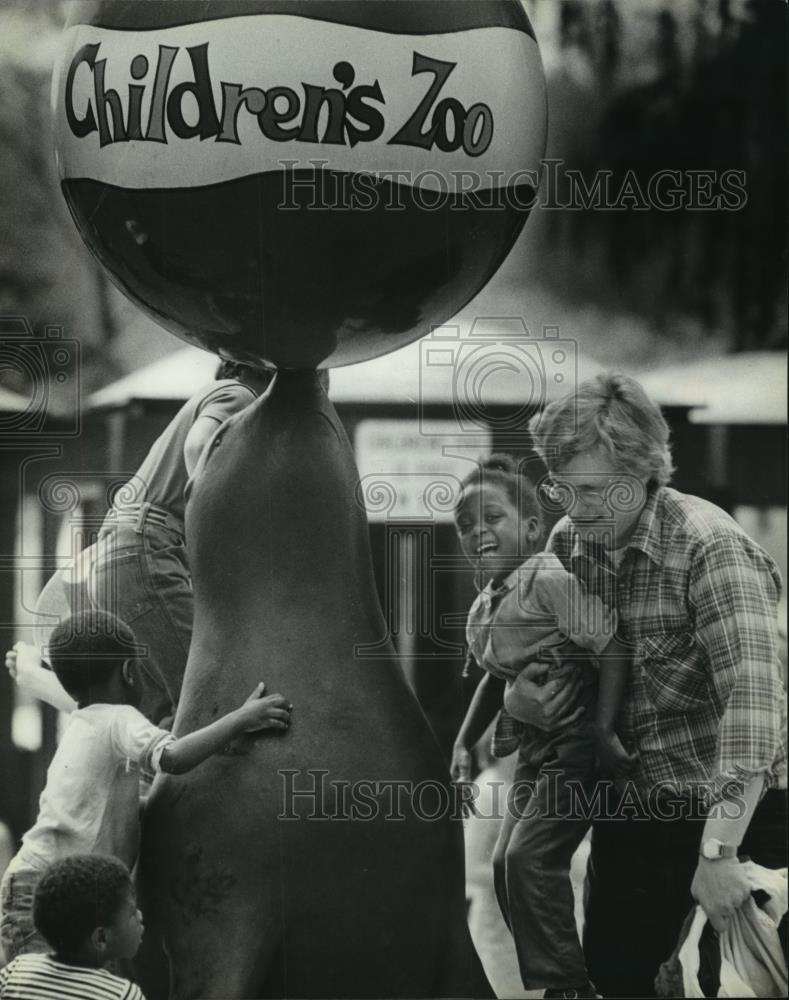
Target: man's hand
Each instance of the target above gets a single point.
(269, 712)
(612, 757)
(549, 706)
(720, 888)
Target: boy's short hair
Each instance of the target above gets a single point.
(75, 896)
(611, 412)
(238, 371)
(86, 648)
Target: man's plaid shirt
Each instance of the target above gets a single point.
(706, 704)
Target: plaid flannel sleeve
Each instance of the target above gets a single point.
(733, 594)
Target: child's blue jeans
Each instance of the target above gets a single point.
(141, 575)
(546, 819)
(18, 934)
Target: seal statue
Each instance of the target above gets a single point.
(326, 861)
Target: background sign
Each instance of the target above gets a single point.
(411, 470)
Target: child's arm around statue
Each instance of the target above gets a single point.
(258, 712)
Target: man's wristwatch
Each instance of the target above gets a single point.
(713, 849)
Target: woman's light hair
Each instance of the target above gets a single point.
(612, 412)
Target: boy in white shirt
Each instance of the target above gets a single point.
(90, 804)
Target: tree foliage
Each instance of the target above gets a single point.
(705, 92)
(46, 274)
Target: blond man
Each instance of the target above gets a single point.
(705, 708)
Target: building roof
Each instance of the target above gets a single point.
(746, 388)
(483, 366)
(487, 366)
(174, 377)
(13, 402)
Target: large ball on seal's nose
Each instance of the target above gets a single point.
(300, 182)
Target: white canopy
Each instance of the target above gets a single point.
(13, 402)
(492, 363)
(489, 365)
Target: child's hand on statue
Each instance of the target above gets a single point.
(261, 711)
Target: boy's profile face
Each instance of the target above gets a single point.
(124, 932)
